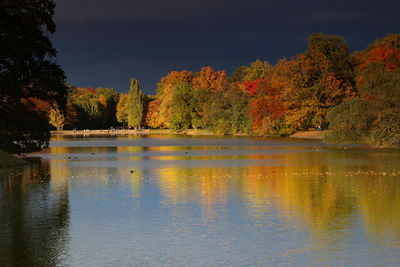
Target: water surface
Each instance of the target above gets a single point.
(208, 201)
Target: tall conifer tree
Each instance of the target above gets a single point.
(135, 105)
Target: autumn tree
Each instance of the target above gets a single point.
(122, 113)
(135, 105)
(337, 52)
(56, 118)
(165, 93)
(207, 78)
(258, 70)
(152, 116)
(266, 106)
(310, 89)
(374, 115)
(147, 99)
(27, 70)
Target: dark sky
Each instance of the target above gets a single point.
(106, 42)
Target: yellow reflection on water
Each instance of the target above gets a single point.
(136, 181)
(325, 194)
(208, 186)
(59, 171)
(176, 184)
(134, 149)
(322, 192)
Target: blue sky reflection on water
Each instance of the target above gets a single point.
(236, 202)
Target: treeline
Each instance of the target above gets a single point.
(101, 108)
(355, 95)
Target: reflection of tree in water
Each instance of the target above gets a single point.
(207, 186)
(34, 221)
(327, 194)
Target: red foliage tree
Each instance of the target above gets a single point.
(387, 55)
(266, 106)
(252, 86)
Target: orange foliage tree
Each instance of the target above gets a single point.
(152, 116)
(215, 81)
(38, 105)
(310, 88)
(165, 92)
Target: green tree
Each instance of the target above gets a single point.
(108, 98)
(85, 108)
(228, 112)
(350, 121)
(239, 74)
(27, 70)
(198, 103)
(94, 110)
(258, 70)
(181, 106)
(135, 105)
(239, 107)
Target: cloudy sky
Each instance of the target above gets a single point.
(106, 42)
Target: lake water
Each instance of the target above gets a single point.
(201, 201)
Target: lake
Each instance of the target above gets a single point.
(201, 201)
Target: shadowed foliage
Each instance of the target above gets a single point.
(29, 74)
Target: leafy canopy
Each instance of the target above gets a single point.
(27, 71)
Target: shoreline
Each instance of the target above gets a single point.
(317, 135)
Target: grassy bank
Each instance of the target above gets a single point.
(8, 160)
(310, 135)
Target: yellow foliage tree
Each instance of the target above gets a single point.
(56, 118)
(122, 114)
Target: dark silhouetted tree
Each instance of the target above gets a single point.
(27, 71)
